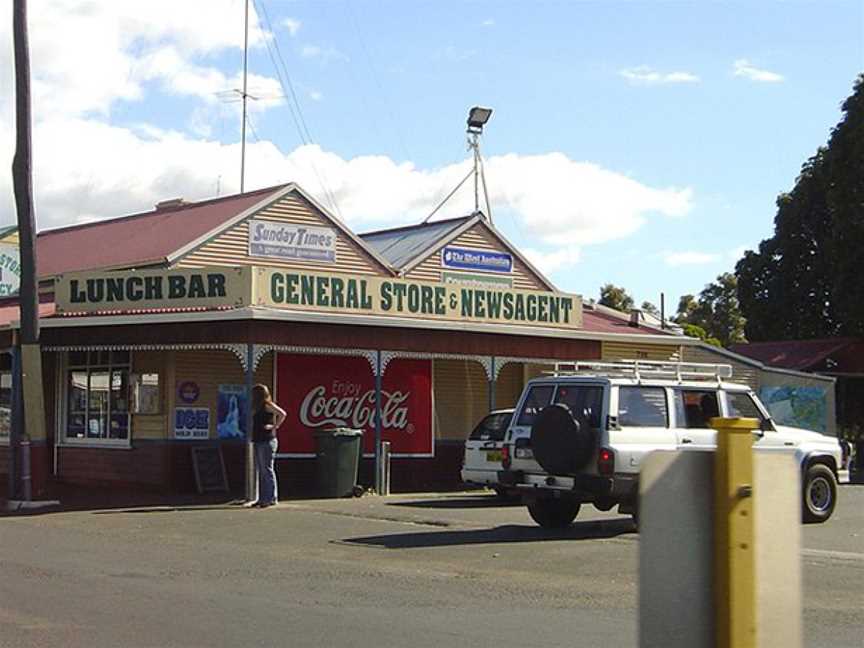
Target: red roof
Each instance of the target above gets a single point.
(139, 239)
(793, 354)
(12, 313)
(597, 322)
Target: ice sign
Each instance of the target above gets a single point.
(191, 423)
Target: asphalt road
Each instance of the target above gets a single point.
(417, 571)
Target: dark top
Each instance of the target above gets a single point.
(260, 434)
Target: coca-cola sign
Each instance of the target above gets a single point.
(322, 392)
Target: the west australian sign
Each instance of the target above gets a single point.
(152, 290)
(459, 258)
(290, 241)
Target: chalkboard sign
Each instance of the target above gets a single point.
(209, 469)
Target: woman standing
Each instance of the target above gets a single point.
(267, 417)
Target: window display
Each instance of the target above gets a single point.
(97, 396)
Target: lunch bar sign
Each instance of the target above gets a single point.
(153, 289)
(287, 241)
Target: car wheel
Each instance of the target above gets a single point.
(820, 493)
(554, 514)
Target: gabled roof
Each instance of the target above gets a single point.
(402, 245)
(164, 235)
(146, 238)
(793, 354)
(415, 243)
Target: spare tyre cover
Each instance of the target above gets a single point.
(561, 445)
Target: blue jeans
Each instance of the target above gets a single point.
(268, 489)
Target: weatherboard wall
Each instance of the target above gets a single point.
(231, 247)
(478, 238)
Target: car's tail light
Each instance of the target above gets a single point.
(506, 461)
(606, 462)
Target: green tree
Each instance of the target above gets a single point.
(650, 308)
(716, 315)
(694, 330)
(615, 297)
(806, 280)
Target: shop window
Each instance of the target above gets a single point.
(97, 397)
(5, 405)
(146, 395)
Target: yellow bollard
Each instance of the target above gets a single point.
(734, 551)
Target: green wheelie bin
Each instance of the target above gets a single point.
(337, 457)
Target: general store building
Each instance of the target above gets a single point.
(149, 323)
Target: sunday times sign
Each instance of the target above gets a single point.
(290, 241)
(299, 290)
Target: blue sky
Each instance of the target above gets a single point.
(639, 143)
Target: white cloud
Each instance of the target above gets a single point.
(676, 259)
(489, 22)
(292, 25)
(548, 262)
(744, 68)
(323, 54)
(315, 95)
(89, 56)
(644, 75)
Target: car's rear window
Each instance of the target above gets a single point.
(585, 403)
(539, 396)
(492, 427)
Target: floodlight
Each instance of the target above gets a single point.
(477, 118)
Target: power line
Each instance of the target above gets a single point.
(396, 131)
(294, 104)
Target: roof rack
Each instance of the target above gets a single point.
(639, 369)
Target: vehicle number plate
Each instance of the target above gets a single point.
(493, 455)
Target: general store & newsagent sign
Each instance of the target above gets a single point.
(313, 291)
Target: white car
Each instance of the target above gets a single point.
(579, 436)
(483, 451)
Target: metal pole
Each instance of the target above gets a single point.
(251, 481)
(378, 389)
(492, 387)
(734, 550)
(245, 69)
(475, 145)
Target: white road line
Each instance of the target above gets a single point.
(838, 555)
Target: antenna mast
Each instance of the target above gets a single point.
(243, 128)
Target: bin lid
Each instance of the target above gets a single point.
(338, 431)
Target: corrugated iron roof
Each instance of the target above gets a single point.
(139, 239)
(793, 354)
(401, 245)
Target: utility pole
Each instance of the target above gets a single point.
(31, 425)
(243, 128)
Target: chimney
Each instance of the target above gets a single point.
(635, 318)
(171, 204)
